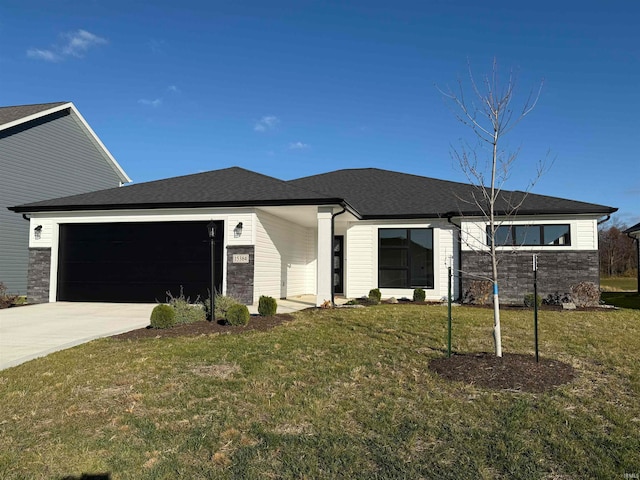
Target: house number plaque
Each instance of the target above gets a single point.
(240, 258)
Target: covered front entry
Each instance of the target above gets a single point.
(136, 262)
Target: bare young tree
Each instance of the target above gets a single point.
(489, 113)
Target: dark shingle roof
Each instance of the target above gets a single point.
(376, 193)
(11, 114)
(227, 187)
(634, 229)
(370, 193)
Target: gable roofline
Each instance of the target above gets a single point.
(58, 107)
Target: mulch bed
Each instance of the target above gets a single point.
(511, 372)
(206, 328)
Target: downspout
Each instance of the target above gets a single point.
(24, 215)
(333, 229)
(448, 216)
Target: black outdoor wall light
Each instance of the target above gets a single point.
(37, 232)
(238, 230)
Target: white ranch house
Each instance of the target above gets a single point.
(340, 233)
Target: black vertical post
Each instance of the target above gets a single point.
(213, 279)
(535, 302)
(449, 313)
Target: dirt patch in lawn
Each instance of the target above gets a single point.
(511, 372)
(207, 328)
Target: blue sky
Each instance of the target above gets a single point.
(294, 88)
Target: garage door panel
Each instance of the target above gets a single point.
(139, 262)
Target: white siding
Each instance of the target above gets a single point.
(362, 257)
(283, 266)
(360, 274)
(584, 233)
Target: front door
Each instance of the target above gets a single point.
(338, 262)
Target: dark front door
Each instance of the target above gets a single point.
(338, 264)
(136, 262)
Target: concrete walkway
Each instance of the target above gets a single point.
(36, 330)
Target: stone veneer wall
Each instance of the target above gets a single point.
(240, 275)
(557, 271)
(38, 275)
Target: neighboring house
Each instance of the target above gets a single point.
(46, 150)
(634, 232)
(344, 232)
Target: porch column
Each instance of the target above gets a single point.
(325, 256)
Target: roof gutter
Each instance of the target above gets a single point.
(606, 219)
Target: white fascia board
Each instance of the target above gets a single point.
(35, 116)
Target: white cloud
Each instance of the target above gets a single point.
(46, 55)
(298, 146)
(268, 122)
(76, 44)
(171, 89)
(151, 103)
(80, 41)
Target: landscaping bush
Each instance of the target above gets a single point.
(163, 316)
(375, 296)
(223, 302)
(419, 295)
(557, 298)
(267, 306)
(585, 294)
(237, 314)
(529, 299)
(6, 300)
(185, 311)
(478, 293)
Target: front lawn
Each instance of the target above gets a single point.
(340, 393)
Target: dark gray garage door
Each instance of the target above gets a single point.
(136, 262)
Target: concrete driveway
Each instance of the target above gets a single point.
(36, 330)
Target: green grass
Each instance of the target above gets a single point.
(621, 299)
(619, 284)
(334, 394)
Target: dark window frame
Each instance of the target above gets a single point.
(511, 235)
(408, 267)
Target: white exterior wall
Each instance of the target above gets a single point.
(51, 221)
(284, 258)
(362, 257)
(584, 233)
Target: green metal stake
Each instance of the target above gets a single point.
(449, 306)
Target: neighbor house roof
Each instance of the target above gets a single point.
(233, 186)
(376, 193)
(369, 193)
(635, 230)
(22, 115)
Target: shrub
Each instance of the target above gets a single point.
(267, 306)
(237, 314)
(185, 311)
(557, 298)
(529, 299)
(478, 293)
(375, 296)
(7, 300)
(419, 295)
(585, 294)
(223, 303)
(163, 316)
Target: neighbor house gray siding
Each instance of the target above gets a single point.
(46, 158)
